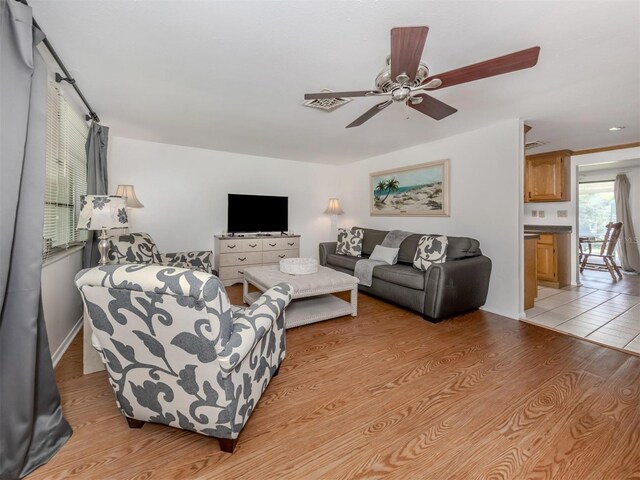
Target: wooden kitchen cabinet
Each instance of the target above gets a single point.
(530, 265)
(547, 177)
(553, 259)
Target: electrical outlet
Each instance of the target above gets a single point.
(534, 213)
(541, 213)
(562, 214)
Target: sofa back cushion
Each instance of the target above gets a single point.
(371, 239)
(458, 248)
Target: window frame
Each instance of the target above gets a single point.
(65, 175)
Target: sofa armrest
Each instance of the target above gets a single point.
(200, 260)
(251, 324)
(326, 249)
(457, 286)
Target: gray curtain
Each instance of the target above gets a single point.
(628, 243)
(97, 183)
(32, 427)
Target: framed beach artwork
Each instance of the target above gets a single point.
(418, 190)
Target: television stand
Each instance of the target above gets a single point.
(233, 253)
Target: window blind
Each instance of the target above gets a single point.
(66, 173)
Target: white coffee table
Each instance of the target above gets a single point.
(312, 300)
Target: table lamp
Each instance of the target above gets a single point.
(102, 212)
(334, 210)
(129, 192)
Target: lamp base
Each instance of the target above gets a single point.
(103, 246)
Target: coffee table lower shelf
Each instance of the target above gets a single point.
(302, 311)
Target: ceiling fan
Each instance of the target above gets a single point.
(407, 80)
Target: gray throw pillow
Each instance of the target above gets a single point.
(387, 255)
(431, 249)
(350, 242)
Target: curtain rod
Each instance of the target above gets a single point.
(67, 78)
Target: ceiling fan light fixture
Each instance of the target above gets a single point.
(406, 78)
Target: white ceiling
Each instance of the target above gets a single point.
(230, 75)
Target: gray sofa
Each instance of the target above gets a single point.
(458, 285)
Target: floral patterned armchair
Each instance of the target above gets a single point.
(140, 248)
(175, 350)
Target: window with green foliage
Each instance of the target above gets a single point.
(597, 207)
(66, 173)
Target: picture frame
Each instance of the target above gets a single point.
(421, 190)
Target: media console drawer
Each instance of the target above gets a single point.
(277, 255)
(233, 254)
(240, 258)
(280, 244)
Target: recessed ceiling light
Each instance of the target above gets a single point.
(615, 129)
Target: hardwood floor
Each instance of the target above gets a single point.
(387, 394)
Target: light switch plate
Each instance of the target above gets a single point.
(534, 213)
(562, 214)
(541, 213)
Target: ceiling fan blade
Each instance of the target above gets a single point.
(369, 113)
(432, 107)
(489, 68)
(361, 93)
(407, 44)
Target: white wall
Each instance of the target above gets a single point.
(184, 191)
(486, 200)
(61, 300)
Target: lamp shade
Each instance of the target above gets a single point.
(102, 212)
(128, 192)
(334, 207)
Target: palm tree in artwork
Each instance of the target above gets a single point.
(390, 186)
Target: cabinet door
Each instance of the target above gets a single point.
(545, 178)
(546, 262)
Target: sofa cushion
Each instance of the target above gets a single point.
(462, 247)
(408, 248)
(342, 261)
(431, 249)
(349, 242)
(387, 255)
(371, 239)
(404, 275)
(458, 248)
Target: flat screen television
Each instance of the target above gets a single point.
(257, 213)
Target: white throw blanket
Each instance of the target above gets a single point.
(364, 268)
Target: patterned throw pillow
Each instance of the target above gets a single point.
(431, 249)
(350, 242)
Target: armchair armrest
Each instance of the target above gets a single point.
(251, 324)
(457, 286)
(200, 260)
(326, 248)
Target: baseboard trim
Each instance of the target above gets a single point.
(66, 342)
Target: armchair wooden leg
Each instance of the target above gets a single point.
(133, 423)
(585, 259)
(616, 268)
(228, 445)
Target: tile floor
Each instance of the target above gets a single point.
(605, 317)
